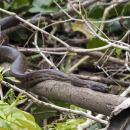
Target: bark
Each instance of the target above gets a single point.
(83, 97)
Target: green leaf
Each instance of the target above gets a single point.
(95, 126)
(43, 9)
(77, 108)
(96, 43)
(42, 2)
(83, 28)
(10, 96)
(70, 124)
(2, 115)
(42, 112)
(12, 79)
(20, 6)
(5, 70)
(1, 69)
(115, 27)
(67, 65)
(21, 101)
(15, 119)
(22, 10)
(28, 116)
(3, 124)
(118, 51)
(1, 76)
(116, 11)
(44, 6)
(126, 9)
(97, 12)
(21, 2)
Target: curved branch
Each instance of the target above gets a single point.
(82, 97)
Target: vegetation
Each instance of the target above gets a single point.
(102, 27)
